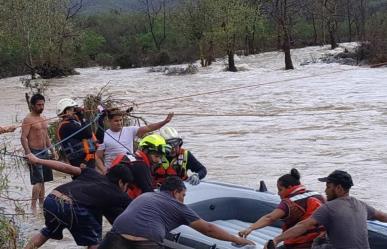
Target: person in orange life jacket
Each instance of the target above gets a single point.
(80, 204)
(296, 204)
(178, 161)
(119, 139)
(151, 150)
(343, 216)
(79, 149)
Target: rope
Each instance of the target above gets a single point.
(240, 87)
(129, 151)
(249, 114)
(72, 135)
(209, 92)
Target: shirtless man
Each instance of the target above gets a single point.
(34, 139)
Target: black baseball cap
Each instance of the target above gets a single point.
(338, 177)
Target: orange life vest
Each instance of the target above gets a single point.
(302, 204)
(73, 148)
(176, 167)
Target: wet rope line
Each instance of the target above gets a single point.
(72, 135)
(104, 130)
(206, 93)
(239, 87)
(251, 114)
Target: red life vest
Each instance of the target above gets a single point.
(133, 190)
(176, 167)
(301, 204)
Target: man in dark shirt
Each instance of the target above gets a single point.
(344, 217)
(146, 221)
(80, 204)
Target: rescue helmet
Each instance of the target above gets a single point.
(154, 143)
(63, 104)
(171, 136)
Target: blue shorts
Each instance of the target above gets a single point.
(83, 224)
(40, 173)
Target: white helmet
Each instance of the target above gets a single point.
(63, 104)
(169, 133)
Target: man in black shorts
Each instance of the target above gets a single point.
(34, 139)
(80, 204)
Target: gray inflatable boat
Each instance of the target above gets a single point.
(234, 208)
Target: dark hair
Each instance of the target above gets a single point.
(292, 179)
(173, 183)
(36, 97)
(114, 112)
(120, 172)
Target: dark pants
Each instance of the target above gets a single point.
(40, 173)
(84, 225)
(116, 241)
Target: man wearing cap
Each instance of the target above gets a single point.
(344, 217)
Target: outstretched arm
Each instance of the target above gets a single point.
(195, 166)
(216, 232)
(152, 127)
(59, 166)
(7, 129)
(264, 221)
(297, 230)
(381, 216)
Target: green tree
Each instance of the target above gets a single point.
(45, 30)
(91, 44)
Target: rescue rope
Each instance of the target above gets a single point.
(206, 93)
(240, 87)
(250, 114)
(104, 130)
(72, 135)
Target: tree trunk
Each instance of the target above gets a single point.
(363, 13)
(231, 62)
(286, 38)
(279, 37)
(210, 57)
(247, 47)
(332, 34)
(349, 21)
(286, 48)
(201, 55)
(315, 36)
(252, 40)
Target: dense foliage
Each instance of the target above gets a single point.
(51, 37)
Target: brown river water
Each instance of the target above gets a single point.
(317, 118)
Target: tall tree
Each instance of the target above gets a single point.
(230, 18)
(155, 11)
(331, 7)
(193, 19)
(281, 12)
(45, 29)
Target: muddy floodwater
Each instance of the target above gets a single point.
(316, 118)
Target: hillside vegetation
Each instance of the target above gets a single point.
(51, 37)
